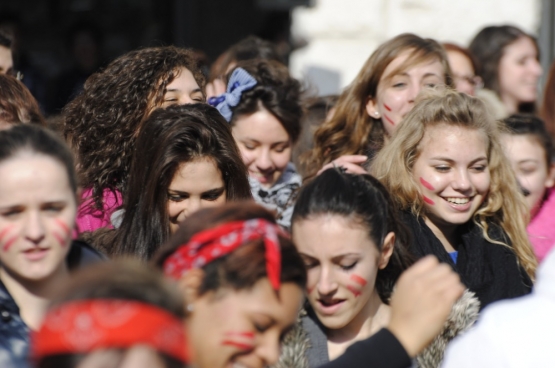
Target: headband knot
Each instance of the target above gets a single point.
(206, 246)
(239, 82)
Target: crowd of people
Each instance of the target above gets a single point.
(175, 216)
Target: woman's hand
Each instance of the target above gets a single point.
(351, 164)
(421, 303)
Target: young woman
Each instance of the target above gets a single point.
(463, 69)
(508, 63)
(530, 151)
(354, 254)
(102, 123)
(186, 159)
(17, 104)
(38, 203)
(372, 107)
(446, 169)
(243, 282)
(117, 314)
(262, 104)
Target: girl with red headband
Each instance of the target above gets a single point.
(114, 315)
(38, 203)
(243, 281)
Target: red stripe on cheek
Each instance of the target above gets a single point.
(388, 119)
(428, 200)
(309, 289)
(248, 334)
(358, 280)
(353, 290)
(5, 231)
(238, 344)
(426, 185)
(63, 225)
(387, 107)
(60, 239)
(9, 243)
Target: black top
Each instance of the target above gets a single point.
(490, 270)
(381, 350)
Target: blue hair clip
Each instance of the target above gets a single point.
(239, 82)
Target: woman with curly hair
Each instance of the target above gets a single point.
(446, 169)
(372, 107)
(17, 104)
(102, 123)
(262, 104)
(186, 159)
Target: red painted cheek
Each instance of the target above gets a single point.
(61, 240)
(353, 289)
(247, 334)
(428, 200)
(426, 185)
(5, 232)
(237, 344)
(7, 245)
(359, 280)
(63, 226)
(389, 120)
(310, 289)
(387, 107)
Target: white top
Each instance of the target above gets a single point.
(512, 333)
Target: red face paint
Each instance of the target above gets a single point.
(5, 232)
(387, 107)
(309, 290)
(63, 225)
(388, 119)
(358, 280)
(9, 243)
(354, 290)
(426, 185)
(60, 239)
(238, 344)
(428, 200)
(248, 335)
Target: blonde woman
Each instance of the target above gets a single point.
(446, 170)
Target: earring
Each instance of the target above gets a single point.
(376, 113)
(190, 308)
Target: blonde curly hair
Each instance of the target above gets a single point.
(504, 205)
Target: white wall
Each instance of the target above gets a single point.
(341, 34)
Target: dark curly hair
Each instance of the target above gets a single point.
(171, 137)
(276, 91)
(102, 122)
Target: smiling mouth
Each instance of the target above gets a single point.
(330, 303)
(458, 200)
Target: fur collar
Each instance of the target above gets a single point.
(462, 317)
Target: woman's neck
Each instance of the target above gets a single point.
(447, 235)
(510, 104)
(33, 297)
(370, 319)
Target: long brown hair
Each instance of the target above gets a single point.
(17, 104)
(351, 129)
(102, 122)
(504, 205)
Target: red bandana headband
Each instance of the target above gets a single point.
(208, 245)
(86, 325)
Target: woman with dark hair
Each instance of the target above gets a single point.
(529, 148)
(243, 281)
(38, 203)
(103, 121)
(134, 318)
(262, 105)
(354, 253)
(17, 104)
(372, 107)
(185, 160)
(508, 63)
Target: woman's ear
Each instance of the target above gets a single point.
(372, 108)
(189, 284)
(387, 250)
(550, 181)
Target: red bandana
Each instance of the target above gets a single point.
(86, 325)
(208, 245)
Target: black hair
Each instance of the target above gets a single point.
(527, 124)
(365, 200)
